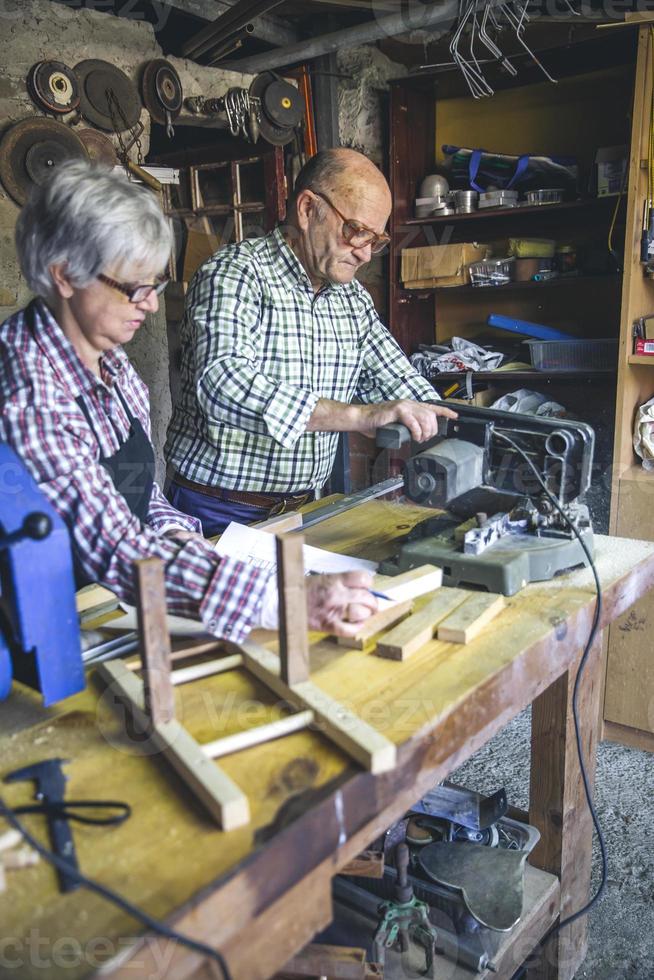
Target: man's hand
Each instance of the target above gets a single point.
(339, 604)
(420, 418)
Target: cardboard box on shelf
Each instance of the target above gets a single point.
(440, 265)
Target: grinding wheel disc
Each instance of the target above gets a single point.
(281, 107)
(161, 90)
(31, 150)
(97, 81)
(53, 86)
(99, 147)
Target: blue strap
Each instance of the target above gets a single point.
(475, 162)
(473, 169)
(521, 166)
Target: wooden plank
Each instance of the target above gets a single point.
(411, 584)
(368, 864)
(557, 805)
(322, 960)
(361, 741)
(471, 617)
(293, 626)
(375, 624)
(215, 790)
(154, 639)
(413, 633)
(281, 523)
(255, 736)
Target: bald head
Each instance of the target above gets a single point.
(344, 172)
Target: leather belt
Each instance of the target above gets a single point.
(276, 502)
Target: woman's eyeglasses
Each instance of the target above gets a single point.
(135, 292)
(356, 234)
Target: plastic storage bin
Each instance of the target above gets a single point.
(491, 272)
(573, 355)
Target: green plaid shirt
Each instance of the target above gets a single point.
(259, 349)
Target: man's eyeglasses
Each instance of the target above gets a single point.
(135, 292)
(356, 234)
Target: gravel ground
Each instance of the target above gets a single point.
(621, 937)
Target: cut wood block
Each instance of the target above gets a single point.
(411, 584)
(213, 787)
(471, 617)
(414, 632)
(368, 864)
(360, 740)
(321, 960)
(375, 624)
(281, 523)
(255, 736)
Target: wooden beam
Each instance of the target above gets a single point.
(375, 624)
(293, 626)
(361, 741)
(471, 617)
(154, 639)
(269, 28)
(216, 791)
(414, 632)
(255, 736)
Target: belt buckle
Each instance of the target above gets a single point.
(278, 508)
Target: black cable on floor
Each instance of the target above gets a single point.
(575, 695)
(111, 896)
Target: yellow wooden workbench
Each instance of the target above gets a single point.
(259, 893)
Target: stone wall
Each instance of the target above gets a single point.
(363, 125)
(36, 30)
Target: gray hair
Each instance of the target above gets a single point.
(92, 219)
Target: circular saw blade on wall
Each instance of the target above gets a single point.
(161, 91)
(281, 107)
(108, 98)
(53, 86)
(31, 150)
(99, 147)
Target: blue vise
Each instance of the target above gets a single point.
(39, 629)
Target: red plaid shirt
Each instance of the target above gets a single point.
(40, 378)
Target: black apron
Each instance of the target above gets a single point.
(131, 467)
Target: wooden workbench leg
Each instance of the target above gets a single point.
(558, 806)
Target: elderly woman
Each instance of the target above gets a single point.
(93, 247)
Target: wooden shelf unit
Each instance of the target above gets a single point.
(611, 108)
(629, 681)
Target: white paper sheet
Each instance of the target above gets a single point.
(258, 548)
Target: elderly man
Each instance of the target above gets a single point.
(278, 341)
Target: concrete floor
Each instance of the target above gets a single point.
(621, 938)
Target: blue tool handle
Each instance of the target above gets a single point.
(537, 330)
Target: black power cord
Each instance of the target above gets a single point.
(575, 695)
(111, 896)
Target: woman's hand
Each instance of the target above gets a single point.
(340, 604)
